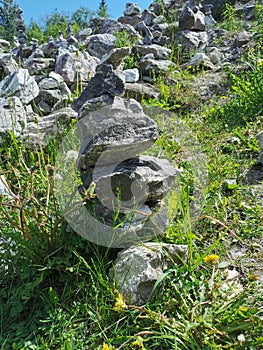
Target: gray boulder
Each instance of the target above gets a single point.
(83, 34)
(131, 75)
(99, 45)
(132, 9)
(137, 268)
(152, 67)
(254, 176)
(40, 132)
(7, 65)
(75, 66)
(53, 94)
(243, 38)
(132, 21)
(215, 55)
(145, 31)
(190, 20)
(193, 40)
(101, 25)
(187, 19)
(12, 116)
(142, 180)
(115, 56)
(148, 17)
(105, 82)
(159, 52)
(139, 91)
(113, 133)
(39, 66)
(200, 59)
(19, 84)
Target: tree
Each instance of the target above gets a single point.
(8, 17)
(55, 23)
(35, 31)
(102, 12)
(81, 17)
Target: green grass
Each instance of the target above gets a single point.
(56, 292)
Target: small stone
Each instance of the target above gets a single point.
(115, 56)
(131, 75)
(132, 9)
(138, 268)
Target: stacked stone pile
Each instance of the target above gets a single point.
(113, 132)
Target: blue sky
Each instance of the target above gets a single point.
(36, 9)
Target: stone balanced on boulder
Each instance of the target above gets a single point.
(113, 132)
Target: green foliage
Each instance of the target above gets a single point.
(81, 17)
(246, 103)
(8, 20)
(231, 21)
(102, 12)
(54, 23)
(34, 30)
(124, 38)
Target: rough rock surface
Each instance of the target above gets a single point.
(74, 66)
(131, 75)
(99, 45)
(189, 20)
(151, 67)
(146, 178)
(19, 84)
(116, 131)
(12, 116)
(140, 91)
(132, 9)
(200, 59)
(138, 268)
(115, 56)
(105, 82)
(42, 130)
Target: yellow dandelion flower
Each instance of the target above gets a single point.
(120, 304)
(138, 343)
(213, 258)
(107, 347)
(223, 97)
(254, 277)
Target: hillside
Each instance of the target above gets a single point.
(131, 180)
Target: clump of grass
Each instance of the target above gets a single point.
(246, 102)
(231, 20)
